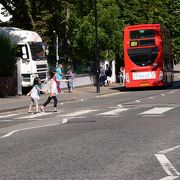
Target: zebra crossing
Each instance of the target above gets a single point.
(116, 111)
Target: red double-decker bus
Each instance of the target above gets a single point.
(147, 56)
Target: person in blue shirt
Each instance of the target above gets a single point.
(59, 73)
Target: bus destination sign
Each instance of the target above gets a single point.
(134, 43)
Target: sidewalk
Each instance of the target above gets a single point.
(22, 102)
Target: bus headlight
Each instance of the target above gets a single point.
(160, 75)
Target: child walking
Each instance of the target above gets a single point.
(54, 89)
(34, 94)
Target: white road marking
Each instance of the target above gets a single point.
(1, 121)
(169, 150)
(173, 91)
(8, 115)
(120, 105)
(167, 166)
(157, 110)
(152, 115)
(169, 178)
(65, 120)
(18, 130)
(9, 134)
(34, 115)
(137, 100)
(114, 112)
(77, 113)
(110, 94)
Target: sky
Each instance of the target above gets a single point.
(2, 18)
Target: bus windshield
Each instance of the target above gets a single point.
(139, 34)
(37, 51)
(143, 56)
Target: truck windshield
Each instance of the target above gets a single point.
(37, 51)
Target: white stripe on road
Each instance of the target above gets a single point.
(8, 115)
(110, 94)
(2, 121)
(9, 134)
(157, 110)
(114, 112)
(34, 115)
(66, 119)
(169, 150)
(12, 132)
(169, 178)
(77, 113)
(167, 166)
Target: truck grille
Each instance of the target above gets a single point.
(42, 71)
(41, 66)
(42, 76)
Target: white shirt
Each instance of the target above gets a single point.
(53, 87)
(34, 93)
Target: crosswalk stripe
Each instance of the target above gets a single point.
(8, 115)
(77, 113)
(33, 116)
(154, 111)
(114, 112)
(157, 110)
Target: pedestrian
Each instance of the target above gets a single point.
(102, 76)
(70, 79)
(35, 94)
(59, 72)
(108, 75)
(54, 89)
(121, 75)
(175, 59)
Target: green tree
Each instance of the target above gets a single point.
(75, 24)
(7, 60)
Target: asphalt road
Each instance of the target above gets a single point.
(131, 135)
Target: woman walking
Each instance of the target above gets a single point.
(54, 89)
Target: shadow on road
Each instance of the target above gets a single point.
(176, 85)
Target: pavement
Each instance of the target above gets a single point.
(79, 93)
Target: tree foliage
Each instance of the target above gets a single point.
(74, 22)
(7, 60)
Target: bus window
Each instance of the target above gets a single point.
(142, 34)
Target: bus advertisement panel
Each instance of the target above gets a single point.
(147, 56)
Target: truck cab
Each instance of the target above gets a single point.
(31, 54)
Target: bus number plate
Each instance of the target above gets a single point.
(144, 75)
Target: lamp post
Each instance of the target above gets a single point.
(97, 57)
(57, 47)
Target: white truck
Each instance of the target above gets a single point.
(31, 54)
